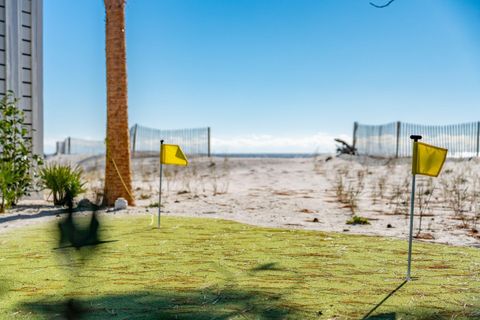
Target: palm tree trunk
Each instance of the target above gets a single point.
(118, 183)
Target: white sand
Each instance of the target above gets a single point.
(291, 193)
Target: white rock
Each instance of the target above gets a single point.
(121, 204)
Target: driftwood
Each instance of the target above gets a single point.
(345, 148)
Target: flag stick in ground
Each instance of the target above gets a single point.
(160, 183)
(412, 208)
(410, 238)
(169, 154)
(427, 160)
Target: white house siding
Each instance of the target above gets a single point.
(21, 67)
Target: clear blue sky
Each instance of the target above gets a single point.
(265, 74)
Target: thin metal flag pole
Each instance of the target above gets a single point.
(415, 138)
(160, 188)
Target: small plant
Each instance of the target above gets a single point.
(354, 190)
(145, 196)
(400, 196)
(382, 183)
(456, 193)
(379, 189)
(219, 179)
(349, 186)
(154, 205)
(63, 180)
(358, 220)
(7, 178)
(171, 175)
(424, 194)
(475, 202)
(16, 155)
(339, 184)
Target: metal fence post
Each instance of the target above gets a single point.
(134, 139)
(478, 137)
(397, 147)
(69, 146)
(208, 135)
(354, 139)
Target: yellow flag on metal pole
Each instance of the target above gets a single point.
(173, 154)
(169, 154)
(427, 160)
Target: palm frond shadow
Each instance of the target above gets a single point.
(202, 304)
(225, 301)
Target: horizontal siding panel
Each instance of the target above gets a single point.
(2, 57)
(2, 13)
(25, 103)
(26, 5)
(25, 61)
(26, 75)
(26, 89)
(2, 28)
(26, 33)
(3, 75)
(3, 88)
(26, 19)
(2, 43)
(25, 47)
(28, 117)
(2, 3)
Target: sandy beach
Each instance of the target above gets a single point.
(317, 193)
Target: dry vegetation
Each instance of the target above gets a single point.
(200, 178)
(320, 193)
(384, 186)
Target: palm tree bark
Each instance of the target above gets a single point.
(118, 177)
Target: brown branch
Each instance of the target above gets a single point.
(382, 6)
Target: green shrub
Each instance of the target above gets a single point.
(16, 158)
(7, 178)
(358, 220)
(64, 181)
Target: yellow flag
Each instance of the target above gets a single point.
(172, 154)
(428, 160)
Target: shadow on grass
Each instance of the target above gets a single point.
(3, 287)
(54, 212)
(25, 216)
(384, 316)
(427, 315)
(205, 304)
(419, 314)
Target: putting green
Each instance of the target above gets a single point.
(214, 269)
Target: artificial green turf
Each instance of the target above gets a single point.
(215, 269)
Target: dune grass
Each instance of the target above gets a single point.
(215, 269)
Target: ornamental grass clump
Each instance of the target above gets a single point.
(62, 180)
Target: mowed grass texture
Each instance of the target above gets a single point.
(215, 269)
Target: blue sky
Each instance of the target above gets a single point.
(266, 75)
